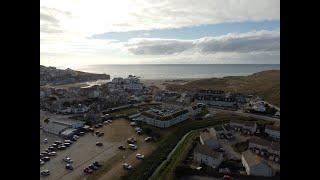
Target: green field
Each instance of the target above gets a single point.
(167, 171)
(265, 84)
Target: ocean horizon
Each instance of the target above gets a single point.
(177, 71)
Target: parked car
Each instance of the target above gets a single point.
(147, 139)
(131, 140)
(67, 144)
(62, 147)
(93, 167)
(99, 144)
(69, 167)
(42, 162)
(227, 177)
(100, 124)
(53, 153)
(139, 156)
(127, 166)
(100, 134)
(97, 132)
(91, 130)
(45, 172)
(96, 163)
(81, 133)
(87, 170)
(45, 159)
(133, 146)
(67, 160)
(121, 148)
(97, 126)
(45, 141)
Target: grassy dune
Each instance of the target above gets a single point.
(265, 84)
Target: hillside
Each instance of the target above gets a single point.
(54, 76)
(265, 84)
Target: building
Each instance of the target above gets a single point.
(70, 123)
(273, 131)
(205, 155)
(254, 165)
(209, 137)
(248, 126)
(165, 116)
(195, 110)
(261, 146)
(215, 98)
(53, 127)
(130, 84)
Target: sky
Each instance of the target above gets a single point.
(75, 33)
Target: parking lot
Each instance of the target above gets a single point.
(84, 152)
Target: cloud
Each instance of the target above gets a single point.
(50, 19)
(96, 16)
(255, 41)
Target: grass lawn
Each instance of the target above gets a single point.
(167, 171)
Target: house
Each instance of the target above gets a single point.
(209, 137)
(273, 131)
(249, 126)
(261, 146)
(255, 165)
(205, 155)
(215, 98)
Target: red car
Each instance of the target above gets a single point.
(88, 170)
(227, 177)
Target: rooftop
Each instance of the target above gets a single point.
(262, 142)
(272, 127)
(208, 134)
(251, 158)
(204, 149)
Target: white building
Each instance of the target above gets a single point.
(164, 117)
(204, 154)
(209, 138)
(53, 127)
(255, 165)
(70, 123)
(273, 131)
(132, 83)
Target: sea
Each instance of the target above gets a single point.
(178, 71)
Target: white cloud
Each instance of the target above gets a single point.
(251, 42)
(66, 26)
(99, 16)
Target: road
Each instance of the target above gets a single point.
(241, 113)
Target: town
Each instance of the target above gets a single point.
(121, 123)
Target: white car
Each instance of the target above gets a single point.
(45, 141)
(139, 156)
(41, 162)
(45, 172)
(52, 153)
(68, 160)
(127, 166)
(133, 146)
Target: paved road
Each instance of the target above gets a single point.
(239, 112)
